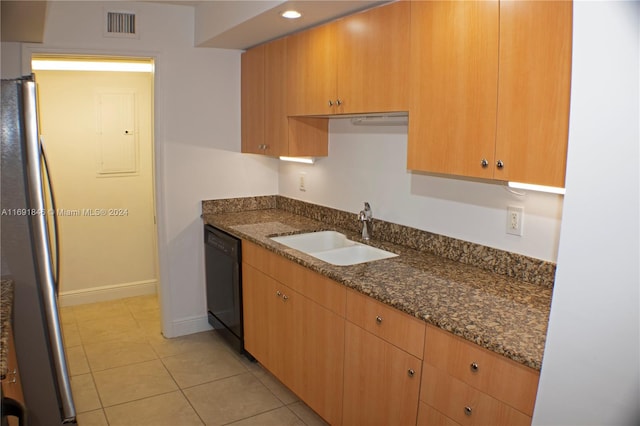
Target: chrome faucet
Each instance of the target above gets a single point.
(366, 217)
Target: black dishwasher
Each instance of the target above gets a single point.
(224, 293)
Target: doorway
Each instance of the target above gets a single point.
(97, 129)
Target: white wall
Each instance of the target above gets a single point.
(591, 367)
(197, 134)
(102, 256)
(368, 163)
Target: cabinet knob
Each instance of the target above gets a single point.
(484, 163)
(330, 103)
(379, 319)
(500, 164)
(468, 410)
(285, 297)
(411, 372)
(278, 293)
(338, 102)
(474, 367)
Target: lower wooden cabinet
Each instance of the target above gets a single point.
(356, 361)
(429, 416)
(465, 384)
(381, 381)
(464, 404)
(300, 341)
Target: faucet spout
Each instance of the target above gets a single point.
(366, 217)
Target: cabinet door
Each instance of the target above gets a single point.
(311, 59)
(316, 357)
(373, 60)
(534, 91)
(275, 106)
(378, 386)
(266, 330)
(454, 77)
(252, 100)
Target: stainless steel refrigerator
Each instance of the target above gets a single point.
(29, 258)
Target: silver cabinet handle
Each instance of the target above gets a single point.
(330, 103)
(411, 372)
(468, 410)
(484, 163)
(285, 297)
(378, 319)
(474, 367)
(278, 293)
(500, 164)
(338, 102)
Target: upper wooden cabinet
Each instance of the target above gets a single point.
(490, 87)
(454, 84)
(266, 129)
(534, 91)
(252, 100)
(358, 64)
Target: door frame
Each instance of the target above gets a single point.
(158, 154)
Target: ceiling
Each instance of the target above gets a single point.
(259, 25)
(228, 24)
(23, 21)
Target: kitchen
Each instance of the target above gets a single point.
(191, 160)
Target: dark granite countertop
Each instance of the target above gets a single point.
(497, 312)
(6, 305)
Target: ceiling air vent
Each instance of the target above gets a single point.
(121, 24)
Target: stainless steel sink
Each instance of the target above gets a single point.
(333, 247)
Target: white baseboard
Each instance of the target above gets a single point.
(190, 325)
(106, 293)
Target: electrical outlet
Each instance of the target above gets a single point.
(301, 181)
(515, 218)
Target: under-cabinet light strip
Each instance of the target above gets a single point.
(541, 188)
(306, 160)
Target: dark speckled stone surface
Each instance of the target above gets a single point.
(498, 312)
(6, 305)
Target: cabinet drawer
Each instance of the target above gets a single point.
(496, 375)
(429, 416)
(465, 404)
(316, 287)
(386, 322)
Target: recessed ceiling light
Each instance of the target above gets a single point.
(291, 14)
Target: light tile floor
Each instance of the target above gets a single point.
(124, 372)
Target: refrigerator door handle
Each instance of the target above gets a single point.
(42, 252)
(54, 214)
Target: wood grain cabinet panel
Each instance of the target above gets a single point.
(357, 64)
(500, 377)
(373, 60)
(429, 416)
(299, 340)
(465, 404)
(490, 89)
(266, 333)
(317, 287)
(454, 86)
(252, 95)
(534, 91)
(312, 66)
(386, 322)
(381, 381)
(266, 128)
